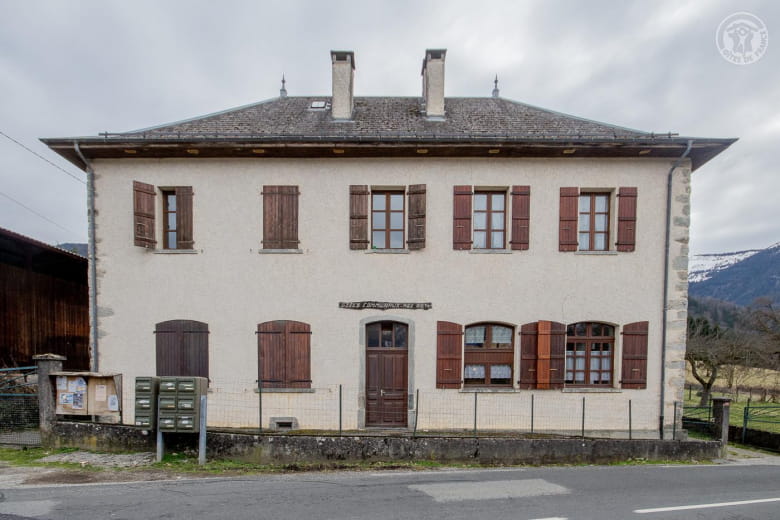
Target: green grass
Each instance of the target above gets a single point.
(737, 413)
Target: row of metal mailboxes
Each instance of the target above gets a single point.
(176, 422)
(171, 385)
(188, 403)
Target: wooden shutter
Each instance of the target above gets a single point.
(461, 213)
(634, 365)
(521, 214)
(184, 217)
(270, 353)
(143, 214)
(626, 227)
(298, 355)
(182, 348)
(416, 221)
(567, 230)
(528, 355)
(358, 217)
(280, 217)
(543, 359)
(557, 354)
(449, 341)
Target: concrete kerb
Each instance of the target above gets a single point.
(293, 449)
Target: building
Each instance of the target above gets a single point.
(455, 247)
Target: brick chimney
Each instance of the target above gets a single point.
(433, 83)
(343, 82)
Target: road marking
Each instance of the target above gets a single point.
(704, 506)
(552, 518)
(494, 490)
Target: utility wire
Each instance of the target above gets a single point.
(63, 170)
(38, 214)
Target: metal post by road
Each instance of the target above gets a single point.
(674, 422)
(416, 412)
(475, 414)
(340, 423)
(260, 405)
(630, 429)
(202, 432)
(583, 417)
(532, 413)
(745, 420)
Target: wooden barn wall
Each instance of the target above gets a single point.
(41, 314)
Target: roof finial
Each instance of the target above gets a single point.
(283, 91)
(495, 87)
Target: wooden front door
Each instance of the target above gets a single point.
(386, 374)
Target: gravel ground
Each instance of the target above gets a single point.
(103, 460)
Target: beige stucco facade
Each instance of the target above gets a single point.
(228, 283)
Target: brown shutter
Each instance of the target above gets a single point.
(280, 217)
(298, 355)
(626, 229)
(521, 214)
(271, 355)
(182, 348)
(557, 354)
(567, 231)
(528, 355)
(635, 355)
(143, 214)
(416, 222)
(461, 213)
(184, 217)
(543, 360)
(358, 217)
(449, 341)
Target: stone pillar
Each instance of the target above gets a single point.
(47, 405)
(721, 408)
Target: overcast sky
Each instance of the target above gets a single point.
(74, 68)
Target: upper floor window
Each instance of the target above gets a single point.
(587, 222)
(280, 217)
(481, 218)
(489, 220)
(387, 220)
(176, 211)
(593, 225)
(590, 349)
(169, 219)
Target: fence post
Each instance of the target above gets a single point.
(674, 422)
(475, 414)
(416, 412)
(47, 406)
(260, 405)
(583, 417)
(630, 429)
(745, 419)
(340, 412)
(532, 413)
(721, 408)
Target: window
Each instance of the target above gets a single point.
(480, 218)
(177, 216)
(387, 220)
(593, 222)
(280, 217)
(589, 352)
(488, 355)
(387, 334)
(169, 219)
(182, 348)
(284, 352)
(489, 220)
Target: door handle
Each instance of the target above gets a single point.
(381, 392)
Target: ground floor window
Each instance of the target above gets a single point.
(590, 349)
(488, 354)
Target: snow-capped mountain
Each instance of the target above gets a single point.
(701, 267)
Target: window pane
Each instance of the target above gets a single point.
(379, 220)
(605, 378)
(584, 243)
(600, 243)
(172, 240)
(594, 378)
(569, 363)
(579, 329)
(480, 201)
(397, 201)
(475, 336)
(172, 221)
(379, 201)
(400, 335)
(378, 239)
(609, 331)
(474, 371)
(584, 203)
(594, 363)
(387, 337)
(479, 239)
(497, 240)
(579, 363)
(584, 222)
(595, 329)
(601, 203)
(396, 239)
(601, 222)
(579, 377)
(502, 335)
(372, 332)
(606, 363)
(171, 198)
(396, 220)
(580, 347)
(497, 220)
(497, 201)
(501, 374)
(480, 220)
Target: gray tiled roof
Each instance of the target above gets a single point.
(388, 117)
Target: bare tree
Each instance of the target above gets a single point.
(765, 317)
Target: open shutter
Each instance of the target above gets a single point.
(528, 355)
(567, 230)
(280, 217)
(271, 353)
(634, 366)
(557, 354)
(143, 215)
(184, 217)
(416, 222)
(461, 226)
(521, 213)
(449, 341)
(358, 217)
(626, 228)
(298, 355)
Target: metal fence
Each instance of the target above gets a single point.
(760, 417)
(19, 419)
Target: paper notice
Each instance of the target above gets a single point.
(62, 383)
(100, 392)
(71, 385)
(78, 401)
(113, 403)
(81, 384)
(66, 398)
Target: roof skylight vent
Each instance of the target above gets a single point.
(318, 104)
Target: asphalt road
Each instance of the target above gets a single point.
(554, 493)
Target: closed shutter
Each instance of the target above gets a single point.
(184, 217)
(143, 215)
(626, 229)
(449, 341)
(461, 226)
(567, 231)
(557, 354)
(280, 217)
(298, 355)
(521, 214)
(528, 355)
(271, 358)
(634, 365)
(358, 217)
(416, 221)
(182, 348)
